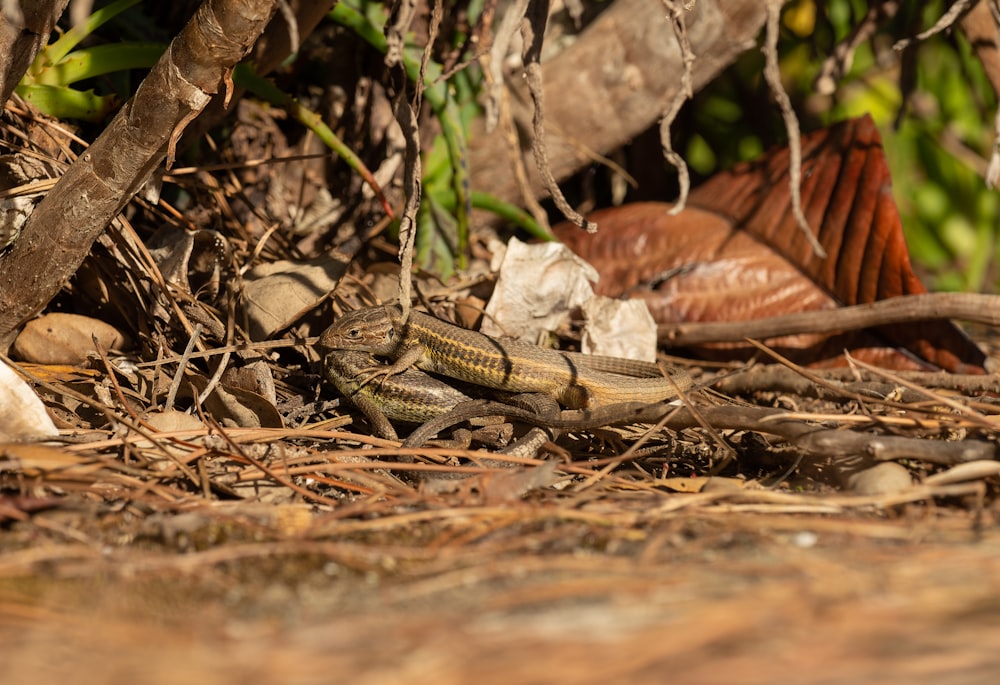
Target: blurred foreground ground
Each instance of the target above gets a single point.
(727, 598)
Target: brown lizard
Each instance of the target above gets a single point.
(576, 381)
(416, 397)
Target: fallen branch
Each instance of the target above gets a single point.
(984, 309)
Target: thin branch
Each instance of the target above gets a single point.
(407, 118)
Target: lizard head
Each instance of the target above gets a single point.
(369, 330)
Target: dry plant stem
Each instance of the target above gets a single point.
(224, 362)
(517, 164)
(984, 309)
(107, 412)
(975, 419)
(307, 494)
(109, 369)
(993, 169)
(772, 75)
(675, 10)
(407, 118)
(437, 14)
(493, 61)
(133, 246)
(239, 347)
(802, 431)
(292, 24)
(932, 396)
(829, 442)
(403, 13)
(175, 383)
(533, 32)
(630, 65)
(633, 451)
(102, 180)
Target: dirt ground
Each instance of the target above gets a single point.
(652, 589)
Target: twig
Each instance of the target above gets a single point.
(984, 309)
(494, 57)
(407, 118)
(224, 362)
(934, 397)
(977, 420)
(175, 384)
(774, 378)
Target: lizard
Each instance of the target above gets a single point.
(576, 381)
(409, 397)
(417, 397)
(571, 419)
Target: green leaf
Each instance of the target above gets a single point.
(63, 102)
(99, 60)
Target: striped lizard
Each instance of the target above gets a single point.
(576, 381)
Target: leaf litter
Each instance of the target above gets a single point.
(271, 511)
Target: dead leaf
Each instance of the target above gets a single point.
(618, 328)
(254, 376)
(191, 260)
(61, 338)
(278, 293)
(242, 408)
(536, 287)
(501, 487)
(22, 414)
(37, 460)
(739, 255)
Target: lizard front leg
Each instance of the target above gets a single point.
(408, 358)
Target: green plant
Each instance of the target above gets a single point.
(47, 83)
(447, 199)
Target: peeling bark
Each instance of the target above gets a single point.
(25, 26)
(62, 229)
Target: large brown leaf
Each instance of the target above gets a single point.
(743, 257)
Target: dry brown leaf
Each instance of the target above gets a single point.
(60, 338)
(278, 293)
(740, 255)
(35, 460)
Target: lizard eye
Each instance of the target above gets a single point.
(354, 333)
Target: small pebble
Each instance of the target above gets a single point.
(883, 479)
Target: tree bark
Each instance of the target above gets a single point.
(24, 26)
(65, 224)
(614, 83)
